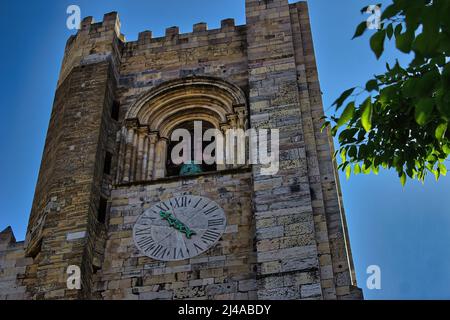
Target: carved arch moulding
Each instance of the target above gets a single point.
(144, 137)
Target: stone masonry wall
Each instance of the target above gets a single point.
(225, 272)
(288, 259)
(337, 273)
(287, 236)
(12, 267)
(149, 61)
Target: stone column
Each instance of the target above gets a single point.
(145, 159)
(152, 140)
(140, 153)
(122, 140)
(160, 158)
(241, 112)
(238, 141)
(134, 153)
(224, 128)
(128, 154)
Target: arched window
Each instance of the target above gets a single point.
(145, 145)
(190, 167)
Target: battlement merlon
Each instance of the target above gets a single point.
(94, 42)
(111, 21)
(7, 238)
(173, 36)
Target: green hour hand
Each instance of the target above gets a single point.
(177, 224)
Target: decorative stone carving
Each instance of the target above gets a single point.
(150, 121)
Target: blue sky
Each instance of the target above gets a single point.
(403, 230)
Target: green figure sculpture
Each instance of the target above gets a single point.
(189, 168)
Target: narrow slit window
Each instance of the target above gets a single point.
(101, 217)
(108, 162)
(115, 110)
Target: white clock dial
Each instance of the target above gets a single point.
(179, 228)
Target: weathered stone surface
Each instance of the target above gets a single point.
(286, 237)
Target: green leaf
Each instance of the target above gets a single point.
(403, 179)
(443, 104)
(441, 130)
(430, 19)
(343, 155)
(372, 85)
(375, 169)
(424, 110)
(334, 130)
(377, 43)
(409, 88)
(426, 44)
(398, 29)
(388, 94)
(427, 82)
(348, 172)
(390, 31)
(442, 169)
(389, 12)
(446, 149)
(360, 29)
(357, 169)
(339, 101)
(446, 76)
(401, 4)
(347, 114)
(352, 152)
(366, 169)
(412, 17)
(436, 173)
(445, 17)
(324, 126)
(404, 41)
(364, 9)
(366, 116)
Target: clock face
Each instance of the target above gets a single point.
(179, 228)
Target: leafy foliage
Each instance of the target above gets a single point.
(403, 123)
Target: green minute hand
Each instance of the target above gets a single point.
(177, 224)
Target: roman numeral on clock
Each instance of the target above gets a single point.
(181, 202)
(198, 248)
(210, 210)
(146, 243)
(159, 251)
(210, 236)
(147, 219)
(198, 202)
(163, 206)
(178, 254)
(143, 232)
(215, 222)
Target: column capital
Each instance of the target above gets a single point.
(153, 136)
(145, 130)
(132, 123)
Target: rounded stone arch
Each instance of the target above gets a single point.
(174, 122)
(206, 91)
(150, 120)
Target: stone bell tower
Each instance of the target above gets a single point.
(106, 167)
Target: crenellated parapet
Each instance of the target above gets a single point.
(173, 39)
(13, 264)
(94, 42)
(101, 41)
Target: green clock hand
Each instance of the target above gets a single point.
(177, 224)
